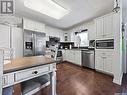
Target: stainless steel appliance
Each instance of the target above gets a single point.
(34, 43)
(105, 44)
(88, 59)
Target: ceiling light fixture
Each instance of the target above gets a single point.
(117, 8)
(47, 7)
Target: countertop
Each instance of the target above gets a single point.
(79, 49)
(26, 62)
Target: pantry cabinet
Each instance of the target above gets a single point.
(104, 60)
(104, 27)
(73, 56)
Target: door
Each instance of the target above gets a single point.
(28, 43)
(17, 41)
(5, 36)
(39, 43)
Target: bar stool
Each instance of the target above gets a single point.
(32, 86)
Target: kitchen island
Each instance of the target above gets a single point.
(26, 68)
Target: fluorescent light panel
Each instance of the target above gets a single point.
(47, 7)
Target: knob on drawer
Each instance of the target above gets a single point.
(35, 72)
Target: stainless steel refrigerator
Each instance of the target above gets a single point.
(34, 43)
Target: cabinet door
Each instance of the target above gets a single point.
(91, 31)
(5, 36)
(77, 58)
(28, 24)
(67, 55)
(99, 61)
(17, 41)
(99, 28)
(64, 54)
(40, 27)
(108, 61)
(108, 26)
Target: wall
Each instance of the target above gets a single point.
(117, 67)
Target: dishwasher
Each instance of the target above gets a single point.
(88, 59)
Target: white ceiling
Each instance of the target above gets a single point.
(80, 11)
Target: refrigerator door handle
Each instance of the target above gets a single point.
(33, 41)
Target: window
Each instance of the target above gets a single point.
(84, 39)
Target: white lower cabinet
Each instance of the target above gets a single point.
(104, 60)
(78, 57)
(73, 56)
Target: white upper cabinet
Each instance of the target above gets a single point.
(99, 28)
(33, 25)
(108, 26)
(104, 27)
(91, 31)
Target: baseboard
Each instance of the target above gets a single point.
(118, 80)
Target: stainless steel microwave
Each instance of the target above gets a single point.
(105, 44)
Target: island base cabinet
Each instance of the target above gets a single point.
(104, 61)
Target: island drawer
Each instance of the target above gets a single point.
(30, 73)
(43, 69)
(25, 74)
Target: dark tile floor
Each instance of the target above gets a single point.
(74, 80)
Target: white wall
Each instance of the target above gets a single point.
(51, 31)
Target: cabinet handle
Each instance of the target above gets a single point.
(4, 80)
(104, 57)
(35, 72)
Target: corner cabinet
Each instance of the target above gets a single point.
(73, 56)
(104, 27)
(33, 25)
(104, 60)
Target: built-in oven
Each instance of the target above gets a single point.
(105, 44)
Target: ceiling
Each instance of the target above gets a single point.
(80, 11)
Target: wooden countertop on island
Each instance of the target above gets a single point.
(27, 62)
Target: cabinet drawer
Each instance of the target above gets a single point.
(43, 69)
(28, 73)
(24, 74)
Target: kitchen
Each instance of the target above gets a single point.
(67, 50)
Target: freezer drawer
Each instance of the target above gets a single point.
(88, 59)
